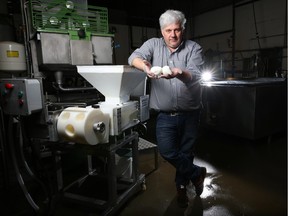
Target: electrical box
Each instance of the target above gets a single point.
(122, 115)
(20, 96)
(144, 113)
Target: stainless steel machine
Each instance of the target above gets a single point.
(252, 109)
(71, 100)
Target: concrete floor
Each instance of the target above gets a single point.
(244, 178)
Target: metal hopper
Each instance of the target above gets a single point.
(115, 82)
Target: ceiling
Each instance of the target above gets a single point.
(147, 12)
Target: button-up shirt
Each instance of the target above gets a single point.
(173, 94)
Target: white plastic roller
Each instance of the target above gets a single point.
(83, 125)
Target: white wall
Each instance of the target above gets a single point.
(270, 26)
(270, 22)
(121, 43)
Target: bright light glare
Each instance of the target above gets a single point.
(206, 76)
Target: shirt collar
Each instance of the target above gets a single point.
(179, 47)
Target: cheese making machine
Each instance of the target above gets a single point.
(63, 98)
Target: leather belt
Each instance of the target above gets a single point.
(172, 113)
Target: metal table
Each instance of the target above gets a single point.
(107, 192)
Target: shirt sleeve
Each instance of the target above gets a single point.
(144, 52)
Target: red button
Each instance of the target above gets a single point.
(9, 86)
(21, 102)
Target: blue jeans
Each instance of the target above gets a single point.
(176, 136)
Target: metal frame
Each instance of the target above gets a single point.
(115, 200)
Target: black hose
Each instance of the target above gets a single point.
(23, 160)
(3, 150)
(16, 167)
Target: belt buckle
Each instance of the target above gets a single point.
(174, 114)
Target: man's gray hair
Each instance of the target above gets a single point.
(170, 17)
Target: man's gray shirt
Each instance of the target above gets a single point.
(173, 94)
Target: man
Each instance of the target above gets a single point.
(175, 96)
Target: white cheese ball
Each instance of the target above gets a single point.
(157, 70)
(166, 70)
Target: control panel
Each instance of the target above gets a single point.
(20, 96)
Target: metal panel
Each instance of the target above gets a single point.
(55, 48)
(81, 52)
(102, 49)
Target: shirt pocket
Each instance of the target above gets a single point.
(179, 64)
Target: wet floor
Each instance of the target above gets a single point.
(244, 178)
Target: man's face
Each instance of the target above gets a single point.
(172, 35)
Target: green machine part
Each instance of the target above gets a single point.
(80, 21)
